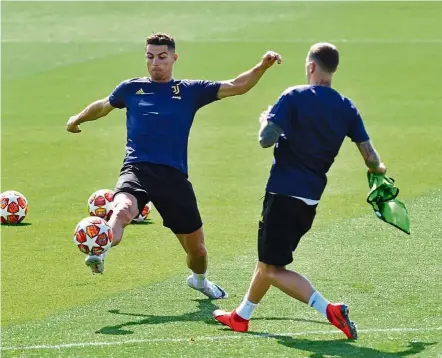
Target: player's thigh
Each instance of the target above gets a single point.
(303, 216)
(176, 202)
(131, 189)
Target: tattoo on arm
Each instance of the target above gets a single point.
(369, 153)
(269, 135)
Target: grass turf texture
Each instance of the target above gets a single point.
(58, 57)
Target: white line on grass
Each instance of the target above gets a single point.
(213, 338)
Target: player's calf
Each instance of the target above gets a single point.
(124, 212)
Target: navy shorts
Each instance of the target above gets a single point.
(283, 222)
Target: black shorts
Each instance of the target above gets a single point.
(284, 221)
(167, 188)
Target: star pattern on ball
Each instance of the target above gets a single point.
(104, 198)
(14, 207)
(91, 242)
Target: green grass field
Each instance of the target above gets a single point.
(58, 57)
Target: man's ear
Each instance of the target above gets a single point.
(312, 67)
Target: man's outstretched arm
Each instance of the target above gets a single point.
(247, 80)
(95, 110)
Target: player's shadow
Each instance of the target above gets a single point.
(346, 348)
(203, 314)
(21, 224)
(145, 222)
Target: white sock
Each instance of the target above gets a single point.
(199, 279)
(246, 308)
(319, 303)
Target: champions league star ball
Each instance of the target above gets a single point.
(14, 207)
(93, 235)
(144, 214)
(100, 204)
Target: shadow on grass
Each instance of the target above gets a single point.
(21, 224)
(318, 349)
(203, 314)
(145, 222)
(346, 348)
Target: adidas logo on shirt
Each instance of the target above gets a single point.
(140, 91)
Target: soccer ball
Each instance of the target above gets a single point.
(14, 207)
(100, 204)
(144, 214)
(93, 235)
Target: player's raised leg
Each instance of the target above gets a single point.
(197, 260)
(125, 209)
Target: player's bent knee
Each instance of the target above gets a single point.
(198, 251)
(269, 272)
(194, 243)
(123, 213)
(125, 207)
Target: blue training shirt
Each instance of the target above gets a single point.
(159, 117)
(315, 121)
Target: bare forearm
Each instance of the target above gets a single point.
(93, 111)
(370, 155)
(373, 161)
(247, 80)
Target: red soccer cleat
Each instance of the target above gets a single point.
(232, 320)
(337, 314)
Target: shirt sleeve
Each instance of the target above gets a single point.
(356, 129)
(282, 111)
(205, 92)
(116, 98)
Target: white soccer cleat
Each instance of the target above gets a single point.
(96, 263)
(211, 290)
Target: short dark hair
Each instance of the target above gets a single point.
(161, 38)
(326, 55)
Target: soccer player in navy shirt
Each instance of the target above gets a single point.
(160, 111)
(308, 125)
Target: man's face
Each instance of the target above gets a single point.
(160, 61)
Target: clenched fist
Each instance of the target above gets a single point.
(269, 58)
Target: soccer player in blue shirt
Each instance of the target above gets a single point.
(308, 125)
(160, 111)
